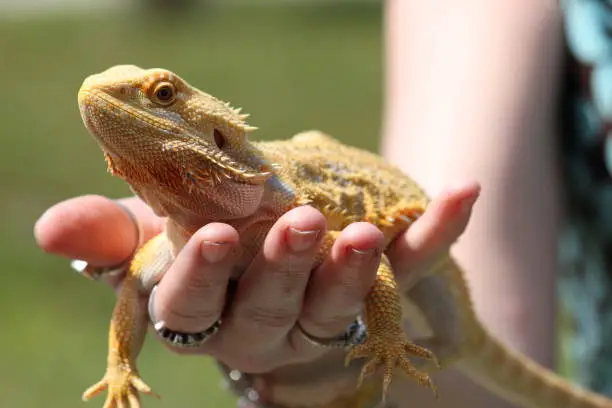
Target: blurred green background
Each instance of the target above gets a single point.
(291, 66)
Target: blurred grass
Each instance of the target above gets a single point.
(292, 68)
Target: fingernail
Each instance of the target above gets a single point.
(360, 256)
(214, 252)
(468, 203)
(457, 186)
(300, 240)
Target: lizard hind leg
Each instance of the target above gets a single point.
(386, 345)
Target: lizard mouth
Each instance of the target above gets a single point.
(102, 114)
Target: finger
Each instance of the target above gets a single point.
(339, 286)
(435, 231)
(269, 295)
(151, 223)
(191, 296)
(94, 228)
(80, 228)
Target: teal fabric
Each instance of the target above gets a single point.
(586, 247)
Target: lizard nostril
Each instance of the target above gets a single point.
(219, 139)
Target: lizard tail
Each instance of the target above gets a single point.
(520, 380)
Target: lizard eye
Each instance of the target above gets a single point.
(164, 93)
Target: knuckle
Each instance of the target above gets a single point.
(351, 288)
(290, 271)
(188, 317)
(199, 319)
(271, 317)
(291, 277)
(328, 326)
(203, 288)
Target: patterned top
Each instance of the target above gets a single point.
(586, 246)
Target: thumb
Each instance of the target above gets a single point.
(434, 232)
(94, 228)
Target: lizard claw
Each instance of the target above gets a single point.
(123, 387)
(389, 350)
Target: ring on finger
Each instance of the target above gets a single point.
(354, 335)
(95, 272)
(176, 338)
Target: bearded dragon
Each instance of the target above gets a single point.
(188, 156)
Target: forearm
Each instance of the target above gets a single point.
(471, 95)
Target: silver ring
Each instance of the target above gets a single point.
(354, 335)
(95, 272)
(176, 338)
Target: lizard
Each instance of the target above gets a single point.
(188, 155)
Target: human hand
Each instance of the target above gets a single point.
(259, 332)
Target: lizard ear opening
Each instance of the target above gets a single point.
(219, 139)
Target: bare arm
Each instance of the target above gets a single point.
(471, 91)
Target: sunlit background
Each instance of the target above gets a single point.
(292, 64)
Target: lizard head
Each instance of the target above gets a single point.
(156, 129)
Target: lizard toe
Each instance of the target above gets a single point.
(123, 389)
(390, 351)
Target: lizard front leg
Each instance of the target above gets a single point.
(128, 329)
(387, 345)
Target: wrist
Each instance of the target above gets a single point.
(325, 382)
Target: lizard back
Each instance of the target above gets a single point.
(360, 187)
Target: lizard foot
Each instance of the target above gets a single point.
(123, 386)
(389, 350)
